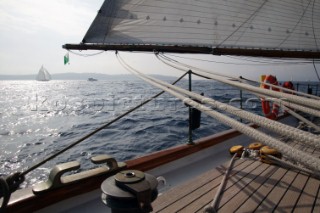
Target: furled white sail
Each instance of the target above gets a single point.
(43, 75)
(286, 24)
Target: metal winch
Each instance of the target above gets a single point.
(130, 191)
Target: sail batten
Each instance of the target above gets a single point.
(286, 26)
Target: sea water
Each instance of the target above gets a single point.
(39, 118)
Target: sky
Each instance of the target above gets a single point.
(33, 32)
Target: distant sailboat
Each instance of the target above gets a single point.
(43, 75)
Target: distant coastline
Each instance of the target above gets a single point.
(79, 76)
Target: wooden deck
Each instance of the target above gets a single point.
(252, 186)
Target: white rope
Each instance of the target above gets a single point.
(285, 105)
(279, 101)
(282, 102)
(241, 79)
(301, 118)
(292, 98)
(272, 125)
(282, 89)
(295, 154)
(315, 104)
(212, 208)
(292, 166)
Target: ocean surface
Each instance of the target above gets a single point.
(39, 118)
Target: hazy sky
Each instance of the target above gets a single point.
(33, 31)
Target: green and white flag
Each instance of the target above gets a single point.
(66, 59)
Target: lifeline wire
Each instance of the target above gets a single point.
(95, 131)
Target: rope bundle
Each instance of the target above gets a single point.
(295, 154)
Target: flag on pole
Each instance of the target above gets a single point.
(66, 59)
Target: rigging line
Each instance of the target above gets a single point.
(97, 130)
(311, 103)
(212, 207)
(289, 165)
(251, 16)
(163, 57)
(86, 55)
(252, 81)
(294, 28)
(301, 118)
(304, 158)
(282, 88)
(289, 106)
(255, 63)
(275, 60)
(316, 71)
(251, 117)
(170, 65)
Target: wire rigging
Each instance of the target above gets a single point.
(255, 62)
(85, 55)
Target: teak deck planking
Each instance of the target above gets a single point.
(252, 186)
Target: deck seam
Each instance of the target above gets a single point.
(213, 189)
(315, 200)
(210, 180)
(233, 173)
(267, 170)
(233, 183)
(286, 190)
(261, 185)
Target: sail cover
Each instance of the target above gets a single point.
(245, 24)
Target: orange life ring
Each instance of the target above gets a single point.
(288, 85)
(271, 114)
